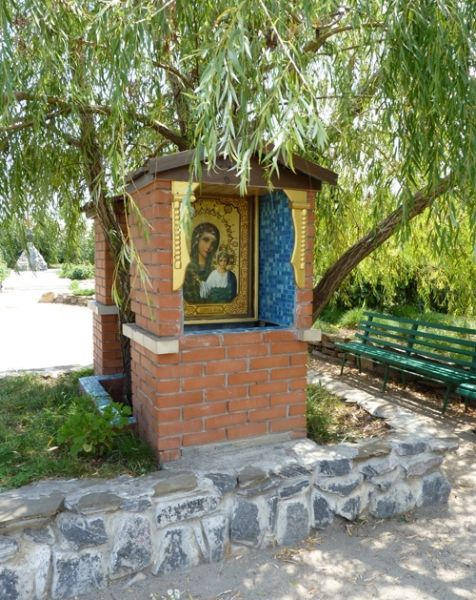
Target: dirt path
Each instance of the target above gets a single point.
(38, 336)
(427, 555)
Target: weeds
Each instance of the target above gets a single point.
(33, 409)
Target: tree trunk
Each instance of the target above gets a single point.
(110, 224)
(335, 275)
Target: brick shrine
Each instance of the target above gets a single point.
(212, 365)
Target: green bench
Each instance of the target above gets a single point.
(442, 353)
(467, 391)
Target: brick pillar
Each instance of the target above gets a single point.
(158, 312)
(107, 347)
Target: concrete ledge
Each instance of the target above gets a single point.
(309, 335)
(99, 308)
(154, 343)
(92, 387)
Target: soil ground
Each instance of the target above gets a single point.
(429, 554)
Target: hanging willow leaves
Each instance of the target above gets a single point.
(383, 92)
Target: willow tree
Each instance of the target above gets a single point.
(380, 91)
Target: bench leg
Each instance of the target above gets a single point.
(385, 378)
(359, 362)
(446, 399)
(343, 364)
(403, 378)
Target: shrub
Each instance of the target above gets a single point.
(89, 431)
(77, 290)
(3, 269)
(77, 271)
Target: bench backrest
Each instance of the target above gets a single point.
(442, 343)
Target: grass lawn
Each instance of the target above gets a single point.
(330, 420)
(32, 409)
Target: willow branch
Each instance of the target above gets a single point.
(20, 125)
(323, 36)
(68, 105)
(174, 71)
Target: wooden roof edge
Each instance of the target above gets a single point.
(181, 159)
(90, 207)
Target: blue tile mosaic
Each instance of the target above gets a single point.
(276, 278)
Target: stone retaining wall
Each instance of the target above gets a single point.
(59, 539)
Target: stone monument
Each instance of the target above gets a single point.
(31, 259)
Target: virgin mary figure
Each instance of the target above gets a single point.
(205, 241)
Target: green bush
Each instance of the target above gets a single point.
(3, 269)
(89, 431)
(77, 290)
(77, 271)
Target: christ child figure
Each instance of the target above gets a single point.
(220, 285)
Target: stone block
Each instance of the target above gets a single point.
(215, 530)
(253, 481)
(177, 550)
(93, 501)
(75, 574)
(40, 535)
(435, 489)
(245, 527)
(293, 523)
(27, 579)
(410, 447)
(19, 508)
(375, 467)
(443, 444)
(399, 500)
(223, 482)
(371, 448)
(8, 548)
(189, 508)
(333, 467)
(342, 486)
(290, 471)
(82, 532)
(272, 504)
(384, 482)
(351, 508)
(417, 468)
(291, 489)
(132, 548)
(172, 482)
(9, 585)
(136, 504)
(322, 513)
(39, 562)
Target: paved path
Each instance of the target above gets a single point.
(36, 336)
(429, 554)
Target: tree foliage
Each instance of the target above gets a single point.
(383, 92)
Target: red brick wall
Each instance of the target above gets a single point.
(107, 349)
(219, 386)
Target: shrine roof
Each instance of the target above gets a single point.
(302, 174)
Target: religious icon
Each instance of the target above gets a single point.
(218, 279)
